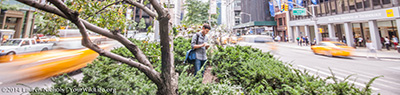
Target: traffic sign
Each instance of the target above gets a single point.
(299, 11)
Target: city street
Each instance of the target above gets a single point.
(362, 69)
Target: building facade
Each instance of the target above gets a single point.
(21, 20)
(349, 21)
(281, 24)
(255, 17)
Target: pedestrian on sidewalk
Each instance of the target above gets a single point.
(387, 42)
(298, 40)
(303, 40)
(306, 38)
(344, 39)
(395, 41)
(360, 40)
(278, 38)
(200, 45)
(383, 42)
(371, 49)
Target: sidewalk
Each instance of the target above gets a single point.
(358, 52)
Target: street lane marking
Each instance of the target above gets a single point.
(371, 75)
(377, 81)
(341, 78)
(390, 59)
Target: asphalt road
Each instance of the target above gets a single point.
(362, 69)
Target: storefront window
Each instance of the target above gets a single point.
(386, 28)
(358, 34)
(367, 34)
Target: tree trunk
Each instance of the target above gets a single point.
(168, 75)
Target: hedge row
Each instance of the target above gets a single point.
(239, 68)
(261, 73)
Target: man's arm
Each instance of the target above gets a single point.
(193, 43)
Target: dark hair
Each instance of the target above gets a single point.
(206, 26)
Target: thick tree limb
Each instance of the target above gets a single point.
(141, 6)
(71, 15)
(150, 72)
(132, 47)
(158, 7)
(166, 82)
(44, 7)
(104, 8)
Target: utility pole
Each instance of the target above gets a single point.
(318, 37)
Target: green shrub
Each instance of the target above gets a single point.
(121, 79)
(261, 73)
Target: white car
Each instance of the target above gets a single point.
(144, 37)
(19, 46)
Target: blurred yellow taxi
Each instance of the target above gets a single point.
(331, 48)
(40, 65)
(226, 40)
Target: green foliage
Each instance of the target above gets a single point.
(14, 7)
(120, 79)
(197, 12)
(181, 46)
(111, 18)
(261, 73)
(142, 24)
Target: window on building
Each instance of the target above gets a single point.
(237, 21)
(280, 21)
(237, 13)
(237, 3)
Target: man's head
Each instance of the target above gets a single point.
(205, 29)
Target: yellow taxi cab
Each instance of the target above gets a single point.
(36, 66)
(331, 48)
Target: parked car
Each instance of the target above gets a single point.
(331, 48)
(146, 37)
(19, 46)
(257, 38)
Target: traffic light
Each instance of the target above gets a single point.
(286, 7)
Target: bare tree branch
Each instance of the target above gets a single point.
(73, 17)
(104, 8)
(132, 47)
(150, 72)
(124, 41)
(44, 7)
(158, 7)
(143, 7)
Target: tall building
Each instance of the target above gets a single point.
(349, 21)
(237, 10)
(255, 17)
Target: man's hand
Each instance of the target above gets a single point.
(206, 45)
